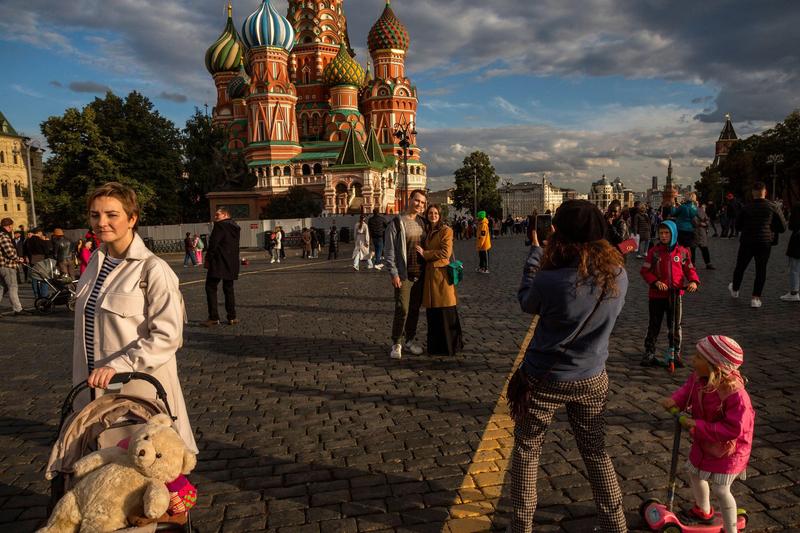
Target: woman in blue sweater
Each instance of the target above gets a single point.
(684, 218)
(577, 285)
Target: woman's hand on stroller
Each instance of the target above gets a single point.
(100, 377)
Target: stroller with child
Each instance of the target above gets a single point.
(61, 289)
(105, 422)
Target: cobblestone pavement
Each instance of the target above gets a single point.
(306, 425)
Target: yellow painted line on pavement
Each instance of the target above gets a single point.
(268, 270)
(482, 485)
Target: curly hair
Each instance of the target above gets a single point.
(597, 261)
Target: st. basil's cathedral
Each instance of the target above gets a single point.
(303, 112)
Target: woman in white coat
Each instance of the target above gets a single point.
(361, 249)
(129, 312)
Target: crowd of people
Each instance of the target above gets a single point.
(129, 316)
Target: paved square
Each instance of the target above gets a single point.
(306, 425)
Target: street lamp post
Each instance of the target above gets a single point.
(774, 160)
(403, 131)
(475, 192)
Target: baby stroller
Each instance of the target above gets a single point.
(103, 423)
(61, 289)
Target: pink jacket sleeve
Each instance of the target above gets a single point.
(682, 395)
(738, 417)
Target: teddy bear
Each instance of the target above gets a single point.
(114, 483)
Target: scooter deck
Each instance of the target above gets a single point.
(658, 518)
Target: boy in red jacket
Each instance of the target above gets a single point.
(668, 270)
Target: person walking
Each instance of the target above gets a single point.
(406, 269)
(483, 242)
(377, 232)
(38, 249)
(277, 245)
(641, 225)
(577, 286)
(759, 222)
(189, 255)
(282, 243)
(305, 237)
(438, 294)
(361, 244)
(129, 311)
(314, 242)
(199, 246)
(84, 255)
(9, 263)
(222, 262)
(713, 214)
(793, 253)
(616, 229)
(684, 216)
(333, 242)
(62, 252)
(701, 224)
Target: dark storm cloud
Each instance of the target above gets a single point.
(748, 50)
(173, 97)
(88, 87)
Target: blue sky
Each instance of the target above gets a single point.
(567, 89)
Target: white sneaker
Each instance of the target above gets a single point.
(379, 266)
(415, 349)
(755, 302)
(397, 351)
(272, 261)
(734, 294)
(789, 297)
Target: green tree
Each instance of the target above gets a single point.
(202, 145)
(146, 147)
(299, 202)
(489, 200)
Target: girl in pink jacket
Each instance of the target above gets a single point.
(721, 426)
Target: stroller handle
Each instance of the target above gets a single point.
(123, 377)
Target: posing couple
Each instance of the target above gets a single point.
(416, 255)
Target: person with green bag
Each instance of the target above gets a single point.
(438, 292)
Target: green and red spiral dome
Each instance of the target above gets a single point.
(388, 33)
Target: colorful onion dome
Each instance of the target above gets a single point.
(388, 32)
(238, 87)
(227, 53)
(266, 27)
(343, 70)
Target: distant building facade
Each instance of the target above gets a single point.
(14, 173)
(444, 197)
(521, 199)
(603, 192)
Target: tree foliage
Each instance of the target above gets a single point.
(299, 202)
(201, 143)
(477, 164)
(747, 162)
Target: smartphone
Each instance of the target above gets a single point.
(544, 225)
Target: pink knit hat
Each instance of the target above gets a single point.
(723, 352)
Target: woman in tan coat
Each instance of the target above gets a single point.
(438, 295)
(129, 312)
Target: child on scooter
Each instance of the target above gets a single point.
(721, 426)
(667, 270)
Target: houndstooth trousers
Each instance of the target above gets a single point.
(585, 401)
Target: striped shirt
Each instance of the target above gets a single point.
(109, 264)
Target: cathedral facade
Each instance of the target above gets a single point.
(303, 112)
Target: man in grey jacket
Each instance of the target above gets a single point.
(406, 269)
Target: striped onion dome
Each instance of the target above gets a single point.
(266, 27)
(240, 85)
(343, 70)
(227, 53)
(388, 32)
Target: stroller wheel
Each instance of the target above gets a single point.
(43, 305)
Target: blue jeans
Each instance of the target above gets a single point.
(190, 256)
(40, 289)
(794, 274)
(378, 244)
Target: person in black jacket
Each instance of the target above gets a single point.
(759, 223)
(222, 262)
(377, 230)
(793, 252)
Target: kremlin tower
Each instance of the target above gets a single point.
(303, 111)
(727, 138)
